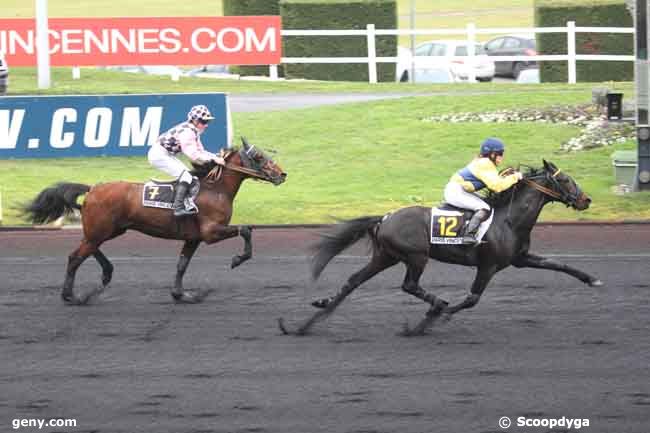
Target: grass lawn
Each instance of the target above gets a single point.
(369, 158)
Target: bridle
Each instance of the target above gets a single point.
(570, 199)
(216, 173)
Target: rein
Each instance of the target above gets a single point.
(543, 189)
(215, 174)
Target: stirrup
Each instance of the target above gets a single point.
(181, 212)
(470, 240)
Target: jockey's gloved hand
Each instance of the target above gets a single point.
(219, 160)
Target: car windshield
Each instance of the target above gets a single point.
(461, 50)
(423, 50)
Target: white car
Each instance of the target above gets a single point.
(442, 62)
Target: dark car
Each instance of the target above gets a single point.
(511, 46)
(4, 75)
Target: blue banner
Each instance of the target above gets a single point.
(113, 125)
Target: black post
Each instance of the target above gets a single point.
(614, 106)
(641, 76)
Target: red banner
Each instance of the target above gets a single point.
(147, 41)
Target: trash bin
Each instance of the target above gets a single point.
(624, 162)
(614, 106)
(4, 75)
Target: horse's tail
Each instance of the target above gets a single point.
(342, 236)
(54, 201)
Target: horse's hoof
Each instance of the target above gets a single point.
(74, 301)
(186, 298)
(595, 283)
(191, 298)
(321, 303)
(283, 328)
(236, 261)
(438, 307)
(297, 333)
(407, 331)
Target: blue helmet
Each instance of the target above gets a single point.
(492, 145)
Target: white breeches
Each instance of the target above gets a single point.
(455, 195)
(168, 163)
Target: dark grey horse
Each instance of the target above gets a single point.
(403, 236)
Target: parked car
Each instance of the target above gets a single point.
(436, 61)
(172, 71)
(4, 74)
(512, 46)
(529, 76)
(440, 74)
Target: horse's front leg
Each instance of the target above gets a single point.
(483, 276)
(245, 232)
(528, 260)
(212, 233)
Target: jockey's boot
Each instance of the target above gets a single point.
(473, 225)
(179, 200)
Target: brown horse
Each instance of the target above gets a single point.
(110, 209)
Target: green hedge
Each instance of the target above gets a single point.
(338, 15)
(251, 7)
(591, 13)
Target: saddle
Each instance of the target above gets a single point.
(449, 222)
(160, 194)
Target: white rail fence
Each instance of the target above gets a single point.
(470, 32)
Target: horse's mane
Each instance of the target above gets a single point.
(499, 199)
(202, 171)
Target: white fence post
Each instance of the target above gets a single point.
(471, 51)
(76, 73)
(273, 72)
(372, 54)
(571, 50)
(42, 45)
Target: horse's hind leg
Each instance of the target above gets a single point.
(107, 266)
(378, 263)
(74, 261)
(414, 268)
(180, 295)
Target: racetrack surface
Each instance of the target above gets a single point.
(539, 344)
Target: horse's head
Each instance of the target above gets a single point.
(565, 189)
(257, 160)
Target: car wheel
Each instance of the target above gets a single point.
(516, 70)
(404, 78)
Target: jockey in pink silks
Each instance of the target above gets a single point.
(186, 138)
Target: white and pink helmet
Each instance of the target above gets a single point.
(200, 113)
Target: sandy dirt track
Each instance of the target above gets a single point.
(539, 344)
